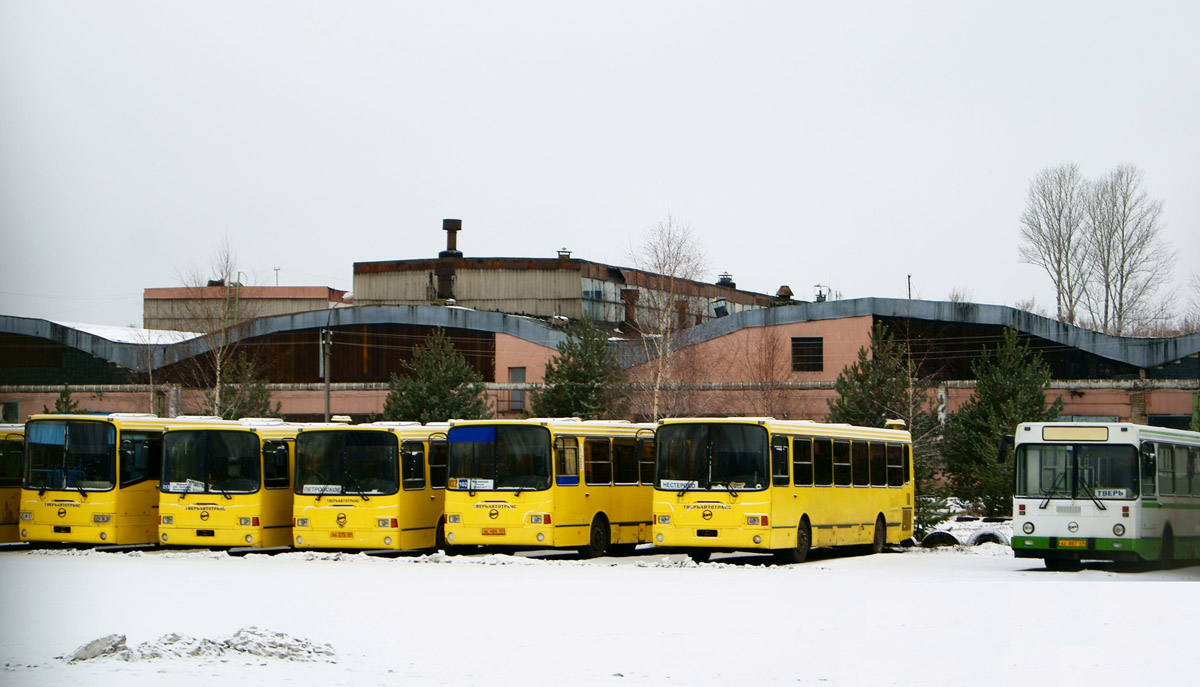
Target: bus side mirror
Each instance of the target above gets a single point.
(127, 448)
(1006, 443)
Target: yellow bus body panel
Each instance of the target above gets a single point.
(837, 515)
(504, 518)
(211, 519)
(348, 521)
(12, 441)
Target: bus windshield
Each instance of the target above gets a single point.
(214, 461)
(70, 454)
(1077, 471)
(492, 457)
(339, 462)
(706, 456)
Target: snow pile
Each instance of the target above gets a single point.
(248, 643)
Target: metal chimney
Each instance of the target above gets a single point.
(447, 259)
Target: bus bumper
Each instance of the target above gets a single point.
(530, 536)
(729, 538)
(1092, 548)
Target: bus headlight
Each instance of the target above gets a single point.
(249, 538)
(299, 540)
(659, 538)
(757, 539)
(449, 536)
(541, 537)
(454, 519)
(101, 519)
(26, 515)
(164, 537)
(104, 536)
(1118, 529)
(1027, 528)
(168, 519)
(663, 519)
(301, 522)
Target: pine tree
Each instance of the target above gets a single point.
(582, 380)
(884, 384)
(63, 404)
(1010, 389)
(439, 385)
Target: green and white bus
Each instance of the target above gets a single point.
(1105, 491)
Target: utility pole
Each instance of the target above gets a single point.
(327, 353)
(910, 287)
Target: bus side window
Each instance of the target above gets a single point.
(646, 460)
(823, 462)
(1166, 470)
(1149, 468)
(10, 467)
(841, 463)
(780, 457)
(439, 452)
(625, 461)
(275, 465)
(1194, 470)
(861, 463)
(878, 465)
(141, 457)
(895, 465)
(597, 462)
(566, 461)
(802, 461)
(412, 465)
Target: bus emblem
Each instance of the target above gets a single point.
(204, 515)
(341, 519)
(62, 512)
(493, 514)
(1072, 527)
(706, 514)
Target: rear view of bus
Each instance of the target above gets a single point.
(226, 483)
(12, 451)
(91, 479)
(553, 483)
(378, 486)
(1105, 491)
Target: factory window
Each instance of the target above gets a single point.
(807, 354)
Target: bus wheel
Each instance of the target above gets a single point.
(699, 555)
(880, 535)
(597, 539)
(803, 542)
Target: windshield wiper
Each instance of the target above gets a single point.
(353, 487)
(687, 485)
(728, 487)
(1053, 490)
(1092, 495)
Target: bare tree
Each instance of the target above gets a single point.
(1130, 263)
(766, 363)
(1052, 234)
(671, 256)
(213, 306)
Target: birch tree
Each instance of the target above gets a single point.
(672, 256)
(1130, 261)
(1052, 227)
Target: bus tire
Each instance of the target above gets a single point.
(880, 535)
(799, 553)
(597, 539)
(699, 555)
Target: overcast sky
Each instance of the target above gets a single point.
(845, 144)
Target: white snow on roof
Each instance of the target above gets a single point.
(130, 335)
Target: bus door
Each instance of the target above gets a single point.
(419, 506)
(570, 504)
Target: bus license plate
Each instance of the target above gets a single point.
(493, 530)
(1072, 543)
(342, 535)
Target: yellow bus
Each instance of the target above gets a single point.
(227, 483)
(761, 484)
(12, 450)
(377, 486)
(91, 479)
(550, 483)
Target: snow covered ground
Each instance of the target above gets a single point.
(957, 615)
